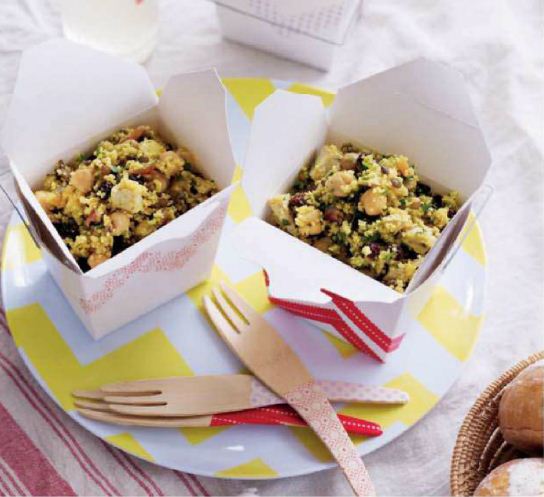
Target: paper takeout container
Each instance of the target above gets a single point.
(66, 99)
(420, 109)
(307, 31)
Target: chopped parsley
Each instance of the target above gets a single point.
(340, 237)
(426, 206)
(387, 256)
(374, 237)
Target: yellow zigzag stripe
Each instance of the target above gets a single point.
(256, 468)
(196, 436)
(474, 244)
(326, 96)
(421, 401)
(128, 443)
(254, 291)
(239, 208)
(252, 288)
(249, 92)
(19, 248)
(450, 325)
(148, 356)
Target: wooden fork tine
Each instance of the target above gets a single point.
(95, 406)
(229, 311)
(119, 419)
(155, 399)
(129, 388)
(221, 324)
(140, 410)
(89, 394)
(107, 417)
(243, 307)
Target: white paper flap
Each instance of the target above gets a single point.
(420, 109)
(286, 129)
(193, 107)
(65, 93)
(299, 271)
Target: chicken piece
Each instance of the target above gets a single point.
(328, 157)
(440, 217)
(402, 165)
(309, 220)
(342, 183)
(128, 196)
(160, 181)
(152, 148)
(120, 223)
(82, 179)
(396, 221)
(419, 238)
(279, 205)
(373, 202)
(50, 200)
(349, 162)
(169, 163)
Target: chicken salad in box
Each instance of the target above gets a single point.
(121, 188)
(366, 200)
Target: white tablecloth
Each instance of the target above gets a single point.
(497, 45)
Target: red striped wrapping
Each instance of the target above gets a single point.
(333, 317)
(286, 415)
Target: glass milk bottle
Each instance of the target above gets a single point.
(127, 28)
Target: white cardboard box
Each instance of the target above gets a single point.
(420, 109)
(307, 31)
(66, 99)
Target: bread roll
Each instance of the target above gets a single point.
(521, 410)
(523, 477)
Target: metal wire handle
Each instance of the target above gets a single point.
(17, 209)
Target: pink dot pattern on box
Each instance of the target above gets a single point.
(320, 22)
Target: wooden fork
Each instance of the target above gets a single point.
(265, 353)
(275, 415)
(202, 395)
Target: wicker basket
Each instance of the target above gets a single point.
(480, 446)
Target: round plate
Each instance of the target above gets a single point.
(176, 339)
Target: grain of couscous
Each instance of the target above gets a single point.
(366, 209)
(129, 186)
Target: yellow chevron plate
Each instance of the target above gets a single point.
(177, 339)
